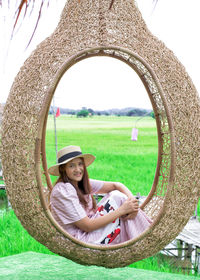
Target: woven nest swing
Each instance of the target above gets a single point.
(91, 28)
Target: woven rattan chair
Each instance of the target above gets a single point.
(89, 28)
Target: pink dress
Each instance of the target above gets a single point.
(67, 209)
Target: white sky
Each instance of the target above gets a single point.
(89, 83)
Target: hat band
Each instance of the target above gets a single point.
(69, 155)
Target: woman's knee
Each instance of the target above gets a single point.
(117, 194)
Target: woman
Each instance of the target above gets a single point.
(117, 217)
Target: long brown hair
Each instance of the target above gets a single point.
(83, 188)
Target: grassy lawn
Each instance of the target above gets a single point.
(109, 139)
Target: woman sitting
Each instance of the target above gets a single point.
(115, 219)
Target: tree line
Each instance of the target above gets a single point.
(85, 112)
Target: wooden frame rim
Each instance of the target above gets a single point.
(114, 52)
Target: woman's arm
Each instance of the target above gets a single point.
(86, 224)
(111, 186)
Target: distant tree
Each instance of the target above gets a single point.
(131, 113)
(83, 113)
(137, 112)
(91, 112)
(71, 112)
(152, 115)
(140, 112)
(106, 113)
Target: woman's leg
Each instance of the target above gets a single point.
(111, 234)
(120, 230)
(129, 229)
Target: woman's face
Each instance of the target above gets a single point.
(75, 170)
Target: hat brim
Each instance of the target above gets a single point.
(88, 159)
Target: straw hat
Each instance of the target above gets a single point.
(68, 153)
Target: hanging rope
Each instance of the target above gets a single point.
(134, 133)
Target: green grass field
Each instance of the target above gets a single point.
(109, 139)
(117, 159)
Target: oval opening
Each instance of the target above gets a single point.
(115, 135)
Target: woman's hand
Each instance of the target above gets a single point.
(130, 207)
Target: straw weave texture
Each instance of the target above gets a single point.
(87, 29)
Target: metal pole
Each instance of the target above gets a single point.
(54, 115)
